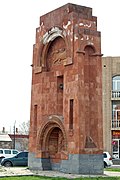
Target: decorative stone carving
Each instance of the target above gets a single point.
(59, 55)
(89, 143)
(56, 53)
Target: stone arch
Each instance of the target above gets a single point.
(115, 82)
(47, 39)
(89, 49)
(47, 130)
(56, 53)
(115, 74)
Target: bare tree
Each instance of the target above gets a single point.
(24, 128)
(24, 144)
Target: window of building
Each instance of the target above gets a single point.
(71, 114)
(115, 114)
(35, 117)
(116, 83)
(60, 87)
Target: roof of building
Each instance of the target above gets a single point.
(17, 136)
(5, 137)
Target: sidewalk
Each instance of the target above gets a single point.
(111, 173)
(20, 171)
(13, 171)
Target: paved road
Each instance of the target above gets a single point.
(115, 166)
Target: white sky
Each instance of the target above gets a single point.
(18, 22)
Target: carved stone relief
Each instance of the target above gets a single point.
(59, 55)
(56, 53)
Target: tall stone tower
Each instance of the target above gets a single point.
(66, 99)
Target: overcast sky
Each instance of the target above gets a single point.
(18, 22)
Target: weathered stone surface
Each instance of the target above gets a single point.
(66, 99)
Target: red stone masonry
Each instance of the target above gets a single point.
(66, 98)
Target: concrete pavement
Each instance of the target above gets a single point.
(111, 173)
(19, 171)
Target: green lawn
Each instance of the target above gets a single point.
(112, 169)
(51, 178)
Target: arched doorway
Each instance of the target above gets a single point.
(55, 143)
(52, 142)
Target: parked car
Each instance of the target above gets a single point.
(107, 159)
(20, 159)
(4, 153)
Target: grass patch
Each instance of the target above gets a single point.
(32, 178)
(58, 178)
(99, 178)
(113, 169)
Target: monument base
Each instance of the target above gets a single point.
(76, 164)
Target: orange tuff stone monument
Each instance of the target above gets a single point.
(66, 132)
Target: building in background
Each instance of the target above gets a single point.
(5, 141)
(111, 105)
(17, 140)
(21, 141)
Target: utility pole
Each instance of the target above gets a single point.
(14, 135)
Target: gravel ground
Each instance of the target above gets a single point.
(18, 171)
(13, 171)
